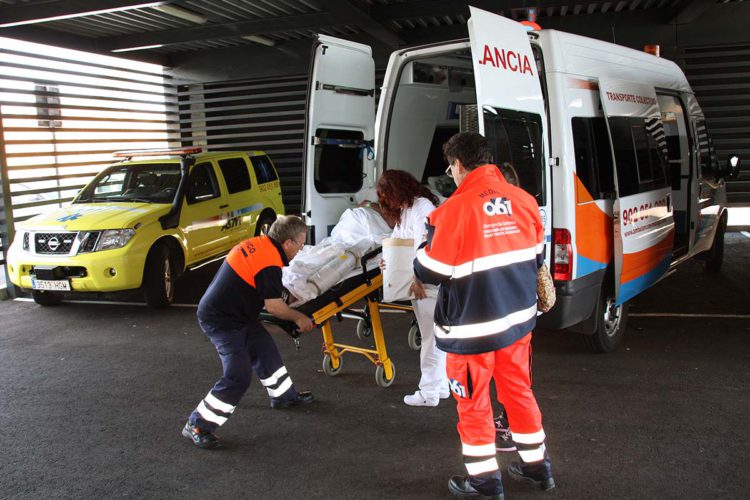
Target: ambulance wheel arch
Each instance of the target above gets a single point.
(164, 263)
(714, 256)
(609, 320)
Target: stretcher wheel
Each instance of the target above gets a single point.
(380, 376)
(328, 368)
(415, 337)
(364, 329)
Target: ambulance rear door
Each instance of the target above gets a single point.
(339, 130)
(643, 211)
(510, 102)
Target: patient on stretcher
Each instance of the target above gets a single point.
(317, 268)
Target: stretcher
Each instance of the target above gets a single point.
(337, 303)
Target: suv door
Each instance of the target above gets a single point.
(201, 217)
(242, 199)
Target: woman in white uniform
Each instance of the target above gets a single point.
(404, 200)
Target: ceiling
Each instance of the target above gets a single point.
(156, 31)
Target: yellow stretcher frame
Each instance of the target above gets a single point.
(333, 352)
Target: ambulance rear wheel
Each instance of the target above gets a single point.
(45, 298)
(611, 323)
(380, 378)
(328, 368)
(364, 329)
(415, 337)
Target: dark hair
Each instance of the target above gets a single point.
(472, 149)
(510, 174)
(397, 189)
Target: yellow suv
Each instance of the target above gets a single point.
(145, 220)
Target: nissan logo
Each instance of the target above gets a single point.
(53, 243)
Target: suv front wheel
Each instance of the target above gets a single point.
(158, 277)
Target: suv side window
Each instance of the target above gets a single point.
(202, 184)
(264, 171)
(235, 174)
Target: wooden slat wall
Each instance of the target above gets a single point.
(720, 77)
(262, 114)
(265, 114)
(64, 113)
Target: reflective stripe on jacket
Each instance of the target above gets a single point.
(485, 244)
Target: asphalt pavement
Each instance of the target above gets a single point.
(93, 398)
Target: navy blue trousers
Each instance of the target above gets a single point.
(242, 352)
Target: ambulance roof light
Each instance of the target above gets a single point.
(158, 152)
(653, 49)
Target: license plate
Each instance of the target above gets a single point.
(56, 285)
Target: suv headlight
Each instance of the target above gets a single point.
(114, 238)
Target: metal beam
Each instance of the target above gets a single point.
(227, 30)
(690, 11)
(427, 8)
(366, 22)
(41, 11)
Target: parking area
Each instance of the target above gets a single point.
(93, 397)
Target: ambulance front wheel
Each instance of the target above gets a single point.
(364, 329)
(611, 323)
(328, 368)
(415, 337)
(380, 377)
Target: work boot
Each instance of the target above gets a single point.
(199, 437)
(503, 437)
(537, 474)
(461, 487)
(302, 398)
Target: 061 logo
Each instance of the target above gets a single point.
(498, 206)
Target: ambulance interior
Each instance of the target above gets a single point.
(436, 98)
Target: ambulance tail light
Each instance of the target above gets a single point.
(562, 255)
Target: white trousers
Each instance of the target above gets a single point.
(431, 359)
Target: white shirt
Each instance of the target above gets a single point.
(413, 225)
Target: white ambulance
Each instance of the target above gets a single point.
(611, 141)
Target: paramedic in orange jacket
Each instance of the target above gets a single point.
(228, 313)
(485, 244)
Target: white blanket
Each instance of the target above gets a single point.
(317, 268)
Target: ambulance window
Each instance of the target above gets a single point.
(235, 174)
(202, 184)
(339, 161)
(593, 156)
(516, 138)
(639, 152)
(264, 171)
(708, 160)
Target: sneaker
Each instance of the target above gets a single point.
(461, 487)
(417, 399)
(536, 474)
(503, 437)
(199, 437)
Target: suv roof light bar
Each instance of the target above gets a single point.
(157, 152)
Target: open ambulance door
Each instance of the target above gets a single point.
(643, 212)
(339, 129)
(510, 103)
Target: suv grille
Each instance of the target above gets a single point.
(54, 243)
(26, 241)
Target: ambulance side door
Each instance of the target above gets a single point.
(512, 115)
(643, 212)
(339, 131)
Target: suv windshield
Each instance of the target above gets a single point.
(147, 183)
